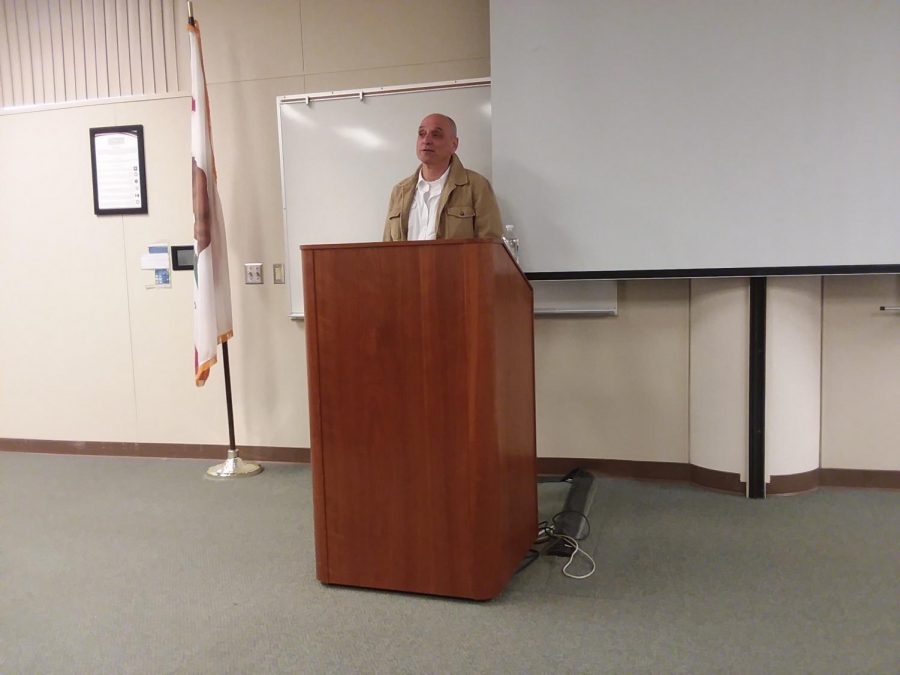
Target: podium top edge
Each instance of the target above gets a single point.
(389, 244)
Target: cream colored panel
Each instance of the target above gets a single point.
(343, 35)
(65, 350)
(158, 40)
(101, 64)
(861, 373)
(6, 83)
(53, 59)
(171, 409)
(250, 40)
(399, 75)
(133, 35)
(123, 47)
(720, 352)
(67, 90)
(49, 38)
(268, 350)
(146, 50)
(29, 51)
(245, 133)
(793, 369)
(617, 387)
(171, 56)
(182, 48)
(111, 30)
(79, 28)
(89, 39)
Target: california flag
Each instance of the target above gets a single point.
(212, 293)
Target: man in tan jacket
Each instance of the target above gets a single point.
(442, 199)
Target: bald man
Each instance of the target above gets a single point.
(442, 199)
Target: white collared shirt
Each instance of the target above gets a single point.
(423, 212)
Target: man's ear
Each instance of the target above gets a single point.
(455, 143)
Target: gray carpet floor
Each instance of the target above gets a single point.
(125, 565)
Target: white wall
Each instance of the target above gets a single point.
(87, 353)
(793, 369)
(720, 325)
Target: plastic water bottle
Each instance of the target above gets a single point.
(511, 240)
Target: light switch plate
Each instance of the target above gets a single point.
(278, 273)
(253, 273)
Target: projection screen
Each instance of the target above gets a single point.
(698, 137)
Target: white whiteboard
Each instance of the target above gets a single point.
(698, 134)
(342, 152)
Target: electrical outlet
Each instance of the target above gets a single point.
(278, 273)
(253, 273)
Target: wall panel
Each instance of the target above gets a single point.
(56, 51)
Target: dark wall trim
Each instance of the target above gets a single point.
(258, 453)
(851, 478)
(621, 468)
(724, 481)
(794, 483)
(698, 273)
(860, 478)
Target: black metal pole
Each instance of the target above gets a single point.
(756, 465)
(228, 396)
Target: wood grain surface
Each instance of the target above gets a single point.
(421, 381)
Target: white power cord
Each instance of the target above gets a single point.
(576, 549)
(546, 532)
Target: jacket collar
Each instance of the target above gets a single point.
(458, 175)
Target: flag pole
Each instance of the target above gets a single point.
(233, 466)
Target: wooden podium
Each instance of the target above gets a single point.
(421, 396)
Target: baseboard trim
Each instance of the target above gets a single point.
(258, 453)
(860, 478)
(723, 481)
(793, 483)
(622, 468)
(853, 478)
(644, 470)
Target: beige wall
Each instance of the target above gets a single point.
(617, 387)
(88, 353)
(861, 373)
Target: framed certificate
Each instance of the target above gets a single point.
(120, 178)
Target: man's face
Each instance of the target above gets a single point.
(437, 141)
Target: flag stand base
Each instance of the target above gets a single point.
(233, 467)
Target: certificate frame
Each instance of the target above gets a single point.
(118, 170)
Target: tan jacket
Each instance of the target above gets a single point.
(467, 208)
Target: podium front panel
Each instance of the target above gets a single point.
(421, 367)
